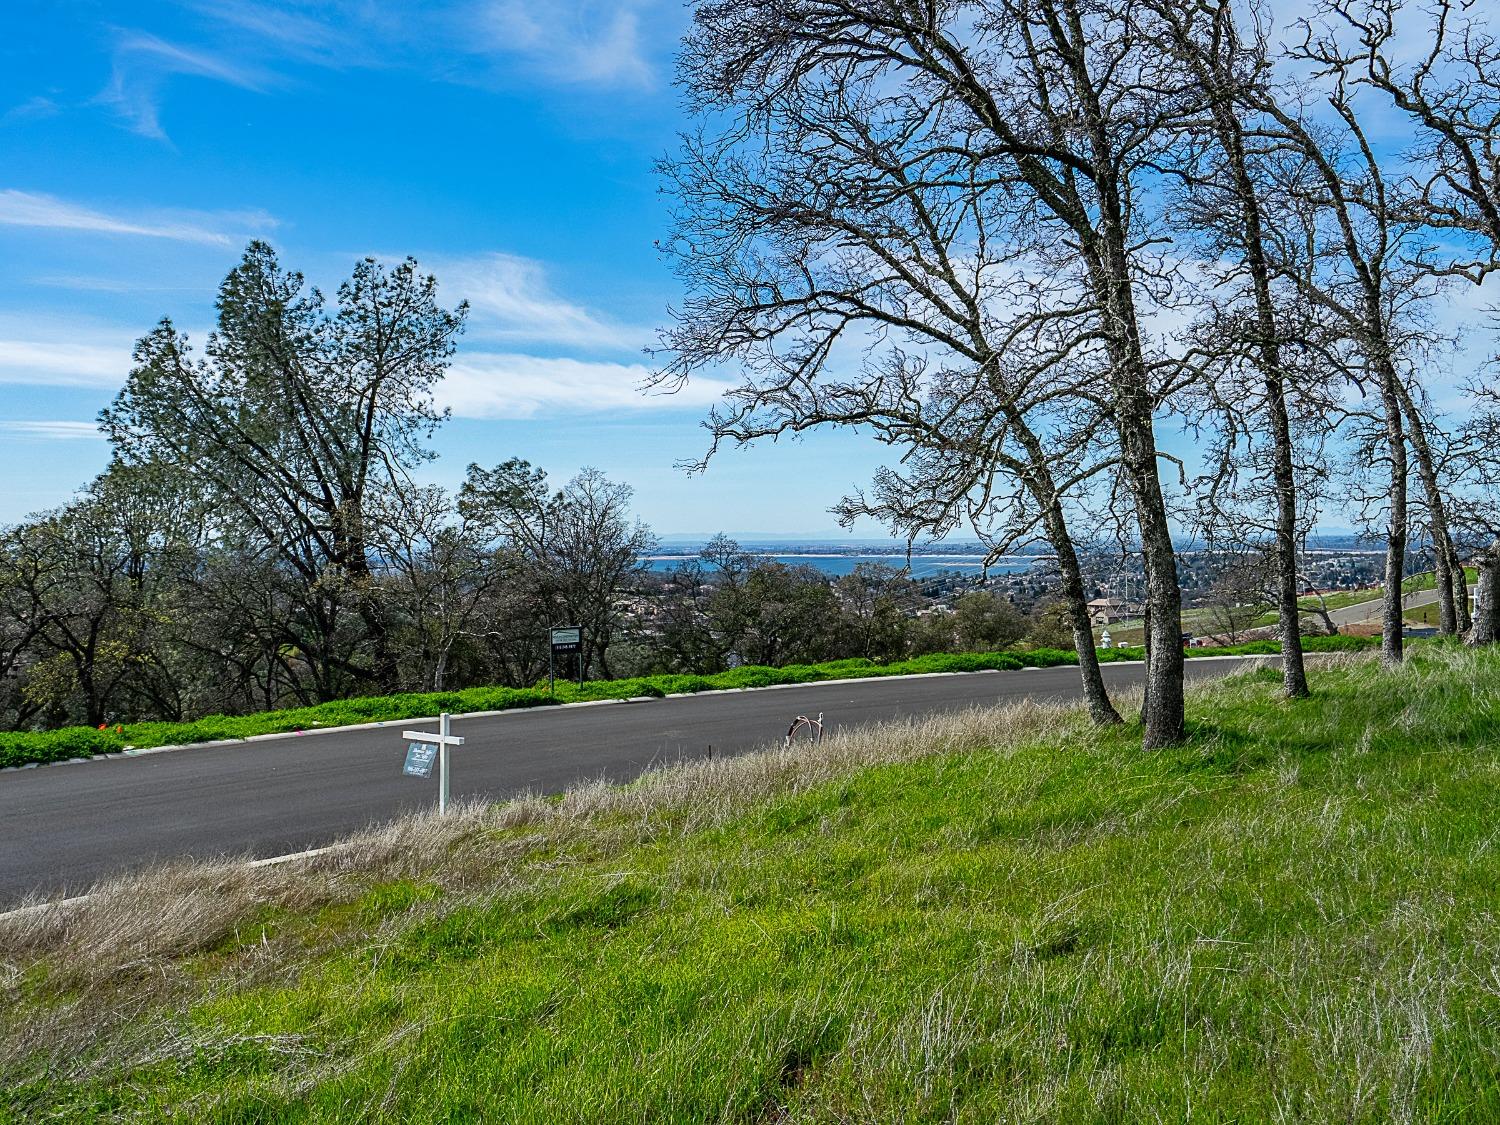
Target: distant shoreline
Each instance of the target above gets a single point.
(667, 556)
(838, 564)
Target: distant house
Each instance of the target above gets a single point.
(1106, 611)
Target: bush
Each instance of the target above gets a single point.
(753, 675)
(25, 747)
(1047, 657)
(1339, 644)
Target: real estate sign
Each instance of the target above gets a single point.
(419, 759)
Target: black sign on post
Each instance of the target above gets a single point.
(567, 640)
(419, 759)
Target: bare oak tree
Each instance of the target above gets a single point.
(880, 171)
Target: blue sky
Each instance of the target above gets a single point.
(507, 145)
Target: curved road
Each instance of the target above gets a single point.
(63, 827)
(1361, 612)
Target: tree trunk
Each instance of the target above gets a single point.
(1486, 627)
(1107, 248)
(1293, 666)
(1268, 347)
(1095, 694)
(1391, 617)
(1460, 582)
(1442, 541)
(1330, 629)
(1163, 711)
(1040, 481)
(93, 705)
(1442, 582)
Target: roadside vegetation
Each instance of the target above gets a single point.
(28, 747)
(1008, 914)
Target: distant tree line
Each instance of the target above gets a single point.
(726, 607)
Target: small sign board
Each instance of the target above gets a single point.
(566, 640)
(419, 759)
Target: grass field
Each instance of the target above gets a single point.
(1423, 615)
(999, 916)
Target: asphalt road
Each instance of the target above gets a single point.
(63, 827)
(1361, 612)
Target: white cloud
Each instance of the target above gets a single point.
(32, 109)
(92, 284)
(300, 34)
(65, 360)
(32, 209)
(601, 43)
(574, 41)
(504, 385)
(143, 63)
(479, 384)
(54, 431)
(511, 299)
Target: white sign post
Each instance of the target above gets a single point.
(442, 740)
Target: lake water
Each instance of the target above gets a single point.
(922, 566)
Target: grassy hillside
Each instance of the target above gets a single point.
(1004, 915)
(19, 748)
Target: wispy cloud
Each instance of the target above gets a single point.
(513, 300)
(56, 363)
(91, 284)
(31, 209)
(32, 109)
(572, 41)
(296, 32)
(143, 63)
(54, 431)
(602, 43)
(63, 355)
(504, 385)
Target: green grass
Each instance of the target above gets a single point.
(1428, 579)
(26, 747)
(1201, 620)
(1424, 615)
(1133, 629)
(1290, 918)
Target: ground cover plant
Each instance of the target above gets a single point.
(26, 747)
(1005, 915)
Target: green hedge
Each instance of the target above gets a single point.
(83, 742)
